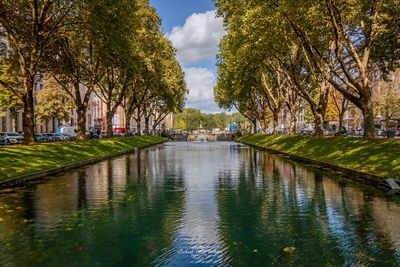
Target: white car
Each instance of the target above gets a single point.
(13, 138)
(70, 131)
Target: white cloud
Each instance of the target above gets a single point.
(198, 38)
(201, 82)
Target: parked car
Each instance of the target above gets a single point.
(390, 133)
(57, 137)
(2, 139)
(40, 138)
(13, 138)
(282, 131)
(64, 137)
(49, 136)
(70, 131)
(119, 132)
(104, 135)
(94, 132)
(359, 132)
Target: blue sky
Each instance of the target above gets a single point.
(175, 12)
(195, 32)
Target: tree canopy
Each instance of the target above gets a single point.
(274, 48)
(114, 49)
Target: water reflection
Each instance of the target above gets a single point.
(114, 213)
(198, 204)
(272, 204)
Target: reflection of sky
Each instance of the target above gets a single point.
(341, 211)
(198, 239)
(337, 228)
(386, 217)
(180, 181)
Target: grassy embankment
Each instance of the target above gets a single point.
(20, 160)
(373, 156)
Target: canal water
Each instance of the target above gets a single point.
(198, 204)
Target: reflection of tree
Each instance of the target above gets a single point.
(132, 224)
(352, 225)
(329, 223)
(138, 231)
(239, 209)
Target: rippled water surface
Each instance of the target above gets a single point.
(198, 204)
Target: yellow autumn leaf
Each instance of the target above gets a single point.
(289, 250)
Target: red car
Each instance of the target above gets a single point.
(119, 131)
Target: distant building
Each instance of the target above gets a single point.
(95, 117)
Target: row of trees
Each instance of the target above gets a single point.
(114, 49)
(190, 119)
(295, 54)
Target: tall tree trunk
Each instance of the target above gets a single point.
(275, 115)
(368, 114)
(146, 122)
(81, 108)
(28, 116)
(341, 117)
(128, 116)
(293, 122)
(138, 120)
(292, 105)
(138, 126)
(254, 126)
(154, 127)
(319, 124)
(320, 110)
(53, 120)
(147, 125)
(81, 114)
(109, 119)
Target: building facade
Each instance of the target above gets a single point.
(95, 117)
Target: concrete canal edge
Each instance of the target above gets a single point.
(355, 175)
(35, 176)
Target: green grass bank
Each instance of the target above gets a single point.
(379, 157)
(22, 160)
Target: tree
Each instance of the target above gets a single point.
(274, 88)
(97, 37)
(111, 90)
(248, 59)
(159, 87)
(311, 86)
(121, 25)
(352, 33)
(11, 89)
(53, 102)
(238, 83)
(388, 99)
(75, 57)
(338, 41)
(190, 118)
(172, 88)
(29, 27)
(293, 104)
(341, 106)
